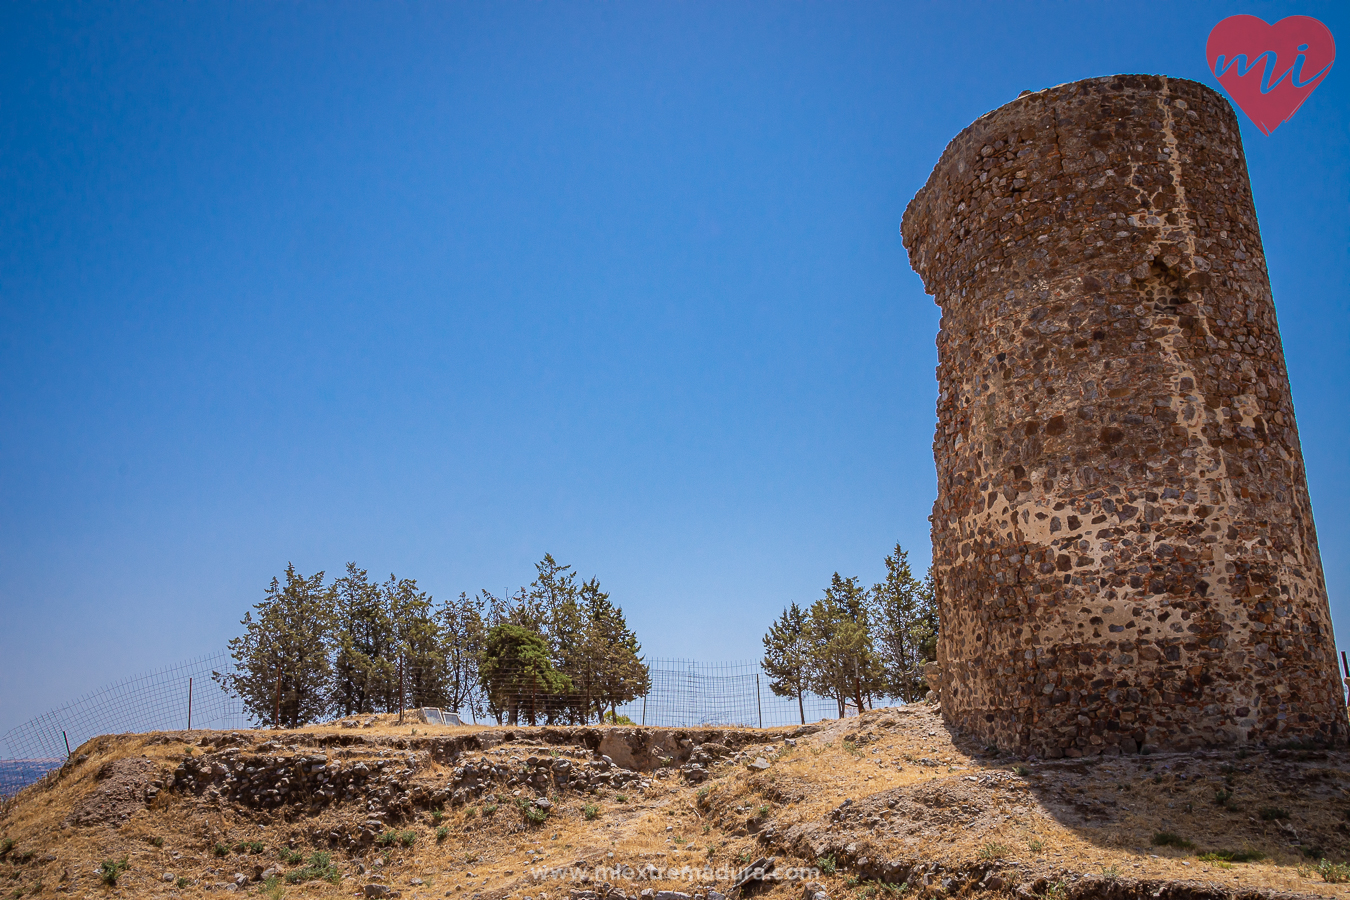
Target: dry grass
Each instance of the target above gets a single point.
(1051, 818)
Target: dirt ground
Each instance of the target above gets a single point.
(885, 803)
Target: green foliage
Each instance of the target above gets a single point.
(1333, 873)
(110, 870)
(517, 672)
(904, 616)
(1271, 813)
(1035, 845)
(1023, 771)
(535, 816)
(272, 888)
(281, 660)
(6, 845)
(290, 857)
(319, 868)
(827, 865)
(156, 841)
(221, 849)
(993, 850)
(1169, 839)
(1224, 798)
(622, 798)
(403, 838)
(442, 833)
(611, 718)
(787, 656)
(489, 809)
(843, 664)
(590, 811)
(183, 881)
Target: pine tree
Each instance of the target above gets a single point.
(787, 656)
(903, 634)
(619, 674)
(418, 649)
(364, 664)
(462, 634)
(282, 671)
(517, 673)
(842, 662)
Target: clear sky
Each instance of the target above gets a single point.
(440, 288)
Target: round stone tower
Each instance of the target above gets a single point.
(1123, 541)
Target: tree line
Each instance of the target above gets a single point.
(557, 651)
(854, 643)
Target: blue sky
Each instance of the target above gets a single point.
(441, 288)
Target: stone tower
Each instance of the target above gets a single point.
(1123, 540)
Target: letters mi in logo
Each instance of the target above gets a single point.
(1269, 70)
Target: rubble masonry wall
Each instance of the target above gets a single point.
(1123, 541)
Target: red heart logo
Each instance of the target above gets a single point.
(1269, 70)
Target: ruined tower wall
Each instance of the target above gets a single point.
(1123, 540)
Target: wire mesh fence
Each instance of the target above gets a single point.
(682, 693)
(686, 693)
(154, 701)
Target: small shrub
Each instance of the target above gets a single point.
(622, 798)
(1169, 839)
(1333, 873)
(590, 811)
(1021, 770)
(471, 812)
(5, 846)
(826, 865)
(1224, 798)
(255, 847)
(703, 792)
(442, 833)
(1035, 845)
(1111, 873)
(273, 889)
(387, 839)
(436, 815)
(1314, 852)
(1271, 813)
(290, 857)
(111, 870)
(320, 867)
(157, 841)
(221, 849)
(993, 850)
(707, 828)
(489, 809)
(407, 838)
(761, 812)
(536, 816)
(183, 881)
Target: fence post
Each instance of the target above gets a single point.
(189, 703)
(758, 702)
(400, 689)
(644, 709)
(67, 740)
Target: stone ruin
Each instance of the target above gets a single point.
(1123, 542)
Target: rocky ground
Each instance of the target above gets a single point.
(887, 803)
